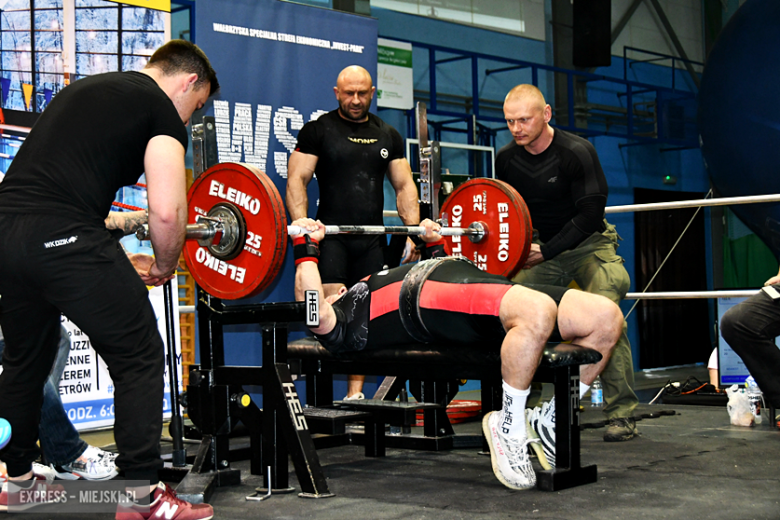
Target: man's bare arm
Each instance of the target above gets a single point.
(775, 279)
(300, 171)
(167, 194)
(126, 221)
(406, 199)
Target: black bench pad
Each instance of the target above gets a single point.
(477, 356)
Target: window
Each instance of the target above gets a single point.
(521, 17)
(102, 36)
(107, 36)
(112, 37)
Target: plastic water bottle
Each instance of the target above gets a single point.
(754, 395)
(395, 430)
(596, 394)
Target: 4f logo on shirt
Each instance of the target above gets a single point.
(384, 153)
(553, 179)
(60, 242)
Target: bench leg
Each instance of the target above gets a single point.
(375, 441)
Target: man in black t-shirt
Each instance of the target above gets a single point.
(351, 151)
(559, 176)
(450, 301)
(57, 255)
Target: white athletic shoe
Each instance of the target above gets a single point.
(541, 423)
(93, 464)
(510, 459)
(38, 469)
(354, 397)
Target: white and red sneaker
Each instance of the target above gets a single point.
(165, 505)
(25, 494)
(511, 461)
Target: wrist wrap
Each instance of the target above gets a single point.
(305, 249)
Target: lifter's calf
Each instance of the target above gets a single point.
(528, 317)
(591, 321)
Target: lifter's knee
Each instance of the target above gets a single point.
(606, 315)
(532, 311)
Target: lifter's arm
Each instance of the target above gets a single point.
(307, 278)
(167, 194)
(300, 171)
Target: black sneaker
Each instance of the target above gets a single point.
(620, 429)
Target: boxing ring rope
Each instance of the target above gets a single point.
(723, 201)
(683, 295)
(654, 206)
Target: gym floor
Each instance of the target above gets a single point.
(693, 464)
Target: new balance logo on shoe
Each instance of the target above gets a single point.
(166, 510)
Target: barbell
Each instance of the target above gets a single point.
(237, 238)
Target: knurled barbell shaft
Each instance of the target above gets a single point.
(385, 230)
(207, 230)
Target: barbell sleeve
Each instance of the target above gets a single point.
(199, 231)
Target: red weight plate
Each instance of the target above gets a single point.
(505, 247)
(261, 206)
(521, 206)
(457, 411)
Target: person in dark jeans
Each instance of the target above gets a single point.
(750, 328)
(67, 456)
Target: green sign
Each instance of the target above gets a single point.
(394, 56)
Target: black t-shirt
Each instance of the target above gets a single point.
(564, 188)
(88, 143)
(352, 160)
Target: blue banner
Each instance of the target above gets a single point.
(277, 64)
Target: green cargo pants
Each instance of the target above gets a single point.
(597, 268)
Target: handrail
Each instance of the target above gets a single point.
(627, 89)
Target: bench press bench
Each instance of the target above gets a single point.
(215, 399)
(435, 367)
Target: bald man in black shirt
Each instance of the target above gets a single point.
(559, 176)
(352, 151)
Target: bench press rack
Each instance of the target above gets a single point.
(216, 401)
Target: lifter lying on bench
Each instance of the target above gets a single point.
(449, 300)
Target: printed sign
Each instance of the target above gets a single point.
(395, 81)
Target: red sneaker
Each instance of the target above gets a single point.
(166, 506)
(41, 491)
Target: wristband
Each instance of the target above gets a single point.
(305, 249)
(436, 249)
(438, 242)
